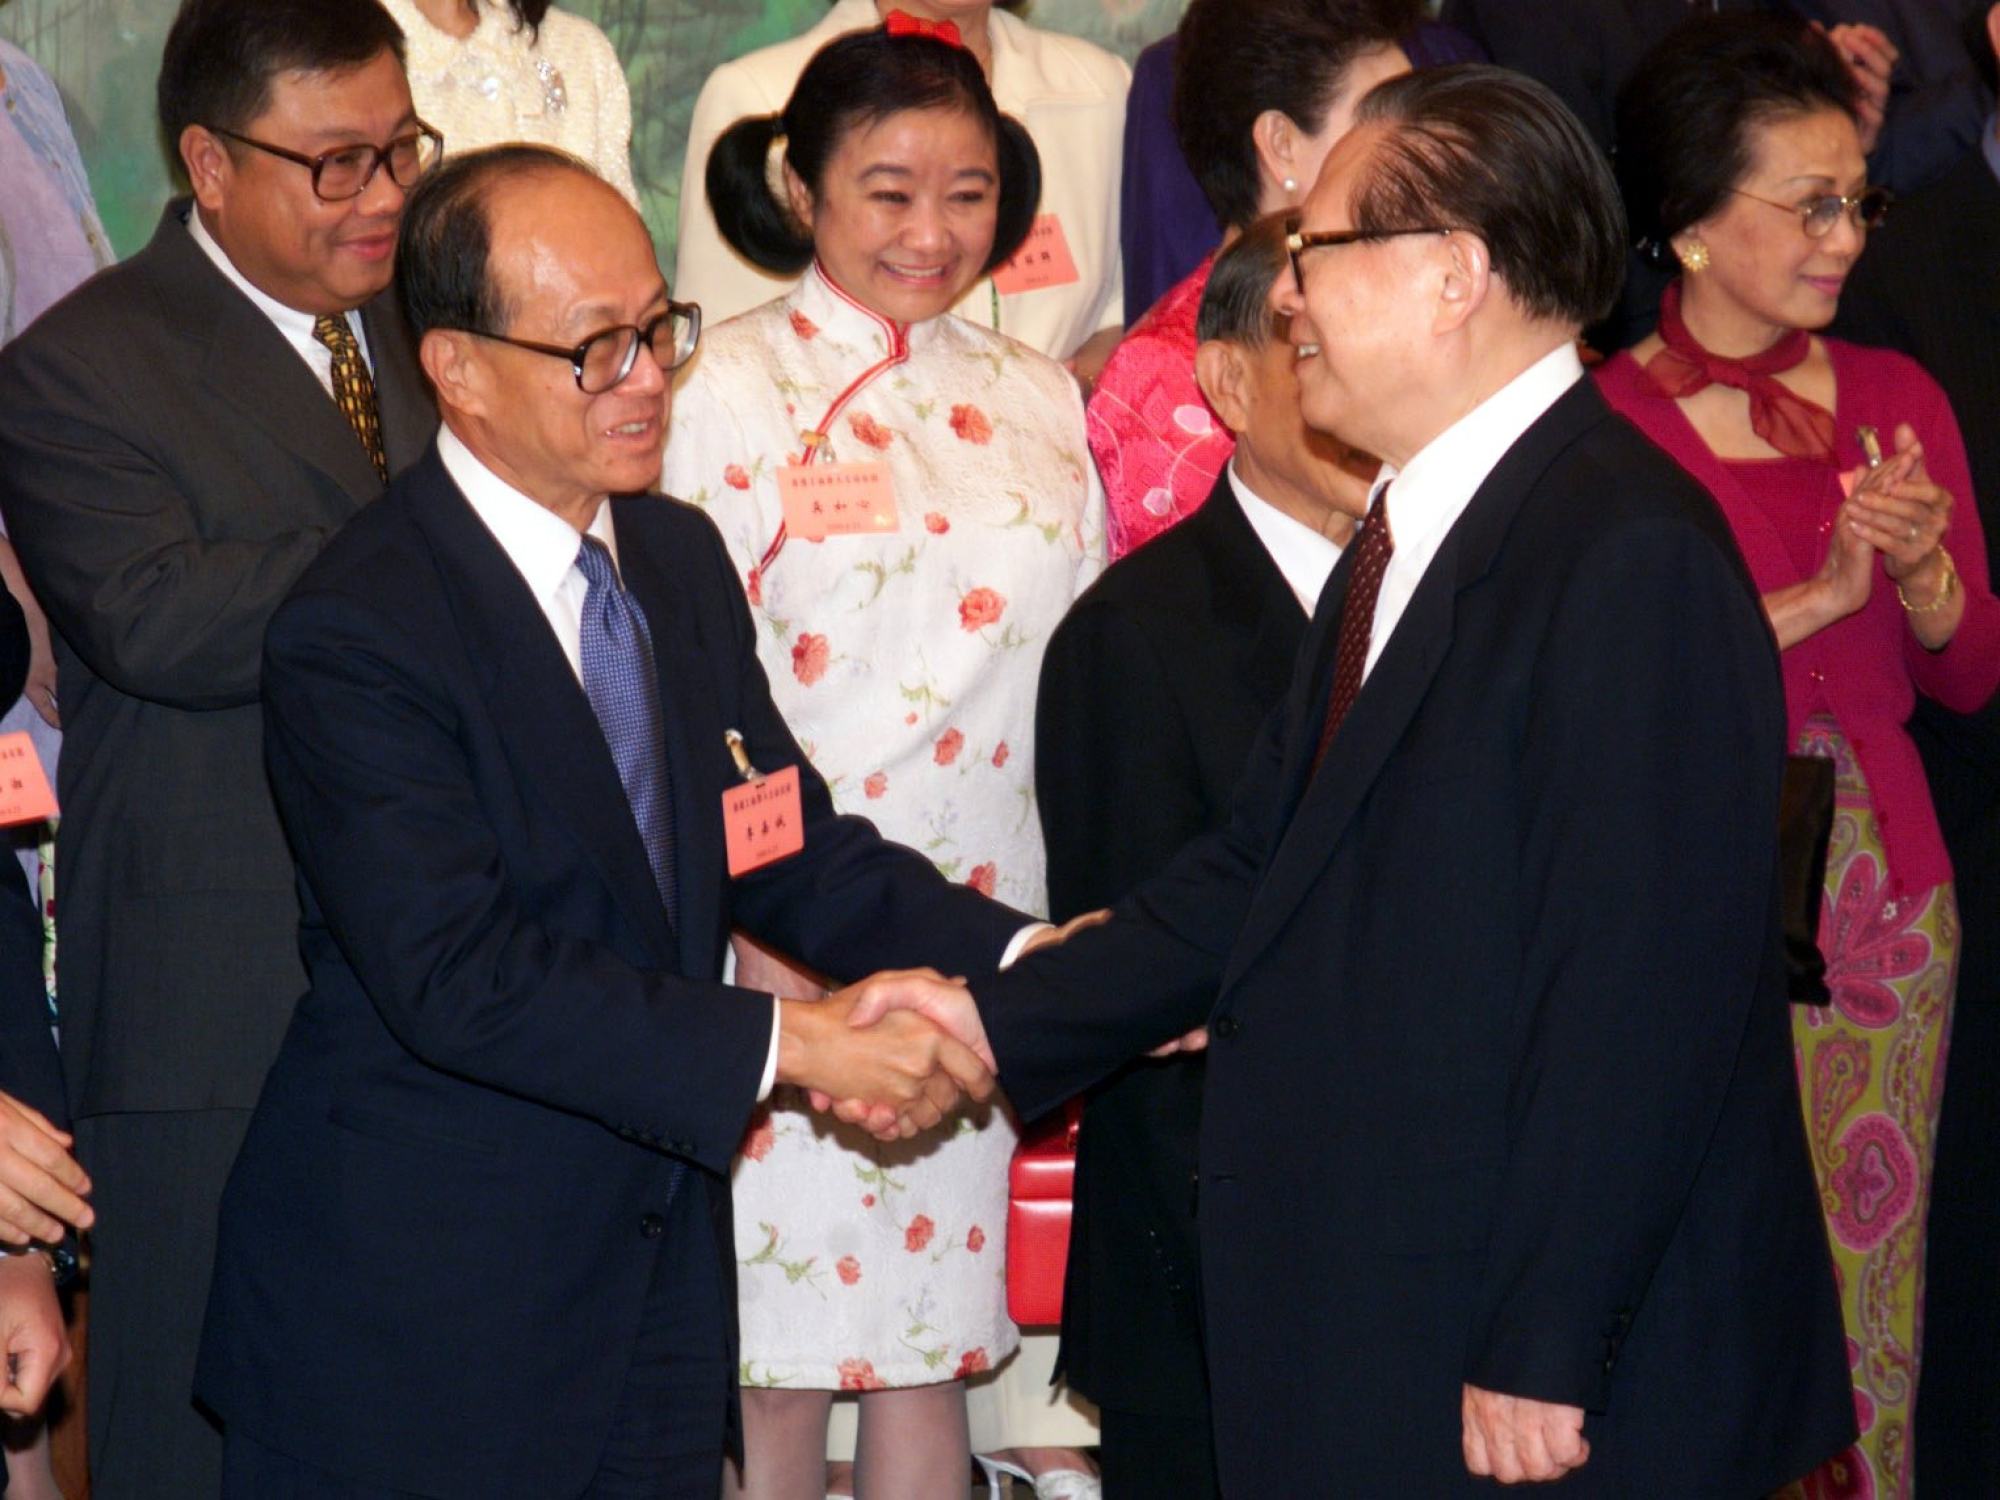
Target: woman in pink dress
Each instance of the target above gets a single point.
(1262, 90)
(1842, 473)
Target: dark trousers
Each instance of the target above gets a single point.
(666, 1436)
(158, 1181)
(1148, 1455)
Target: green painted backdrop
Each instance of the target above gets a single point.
(104, 53)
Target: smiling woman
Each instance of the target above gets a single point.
(908, 496)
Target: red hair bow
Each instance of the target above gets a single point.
(902, 23)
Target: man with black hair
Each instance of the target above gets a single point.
(179, 438)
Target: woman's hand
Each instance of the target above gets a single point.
(1901, 511)
(1841, 586)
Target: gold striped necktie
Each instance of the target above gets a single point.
(354, 388)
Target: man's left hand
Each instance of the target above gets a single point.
(31, 1333)
(1513, 1439)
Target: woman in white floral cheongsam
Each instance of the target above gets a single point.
(912, 506)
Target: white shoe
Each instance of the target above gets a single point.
(1057, 1484)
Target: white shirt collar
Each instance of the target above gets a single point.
(1434, 488)
(296, 326)
(1304, 556)
(290, 320)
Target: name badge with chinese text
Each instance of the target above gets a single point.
(823, 500)
(1042, 261)
(763, 821)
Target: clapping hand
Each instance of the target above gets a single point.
(898, 1072)
(1899, 510)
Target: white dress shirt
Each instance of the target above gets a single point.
(1434, 488)
(1304, 556)
(296, 326)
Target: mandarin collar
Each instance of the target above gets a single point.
(830, 309)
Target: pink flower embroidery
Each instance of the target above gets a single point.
(975, 1239)
(919, 1233)
(971, 1363)
(980, 608)
(910, 718)
(809, 658)
(1869, 945)
(948, 745)
(867, 1200)
(970, 423)
(859, 1375)
(736, 477)
(848, 1269)
(875, 785)
(870, 431)
(803, 326)
(754, 588)
(760, 1138)
(936, 524)
(981, 879)
(1875, 1186)
(1000, 754)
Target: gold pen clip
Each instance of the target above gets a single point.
(741, 756)
(1871, 445)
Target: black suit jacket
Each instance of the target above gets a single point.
(1501, 1087)
(168, 467)
(1152, 693)
(440, 1231)
(1926, 287)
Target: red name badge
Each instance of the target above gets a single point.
(1043, 260)
(25, 796)
(763, 821)
(823, 500)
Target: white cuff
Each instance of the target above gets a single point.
(1020, 941)
(770, 1058)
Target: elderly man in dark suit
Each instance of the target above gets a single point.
(1501, 1165)
(1928, 286)
(178, 438)
(478, 1241)
(1152, 692)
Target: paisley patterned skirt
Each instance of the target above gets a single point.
(1871, 1073)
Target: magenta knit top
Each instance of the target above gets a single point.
(1867, 669)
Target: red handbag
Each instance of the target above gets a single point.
(1039, 1187)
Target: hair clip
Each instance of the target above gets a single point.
(902, 23)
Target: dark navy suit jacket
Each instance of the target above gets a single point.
(437, 1240)
(1501, 1086)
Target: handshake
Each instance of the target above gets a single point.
(895, 1052)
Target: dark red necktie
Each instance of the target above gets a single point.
(1373, 547)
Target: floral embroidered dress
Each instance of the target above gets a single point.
(906, 662)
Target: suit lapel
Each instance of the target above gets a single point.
(1396, 687)
(1252, 599)
(542, 714)
(693, 731)
(248, 365)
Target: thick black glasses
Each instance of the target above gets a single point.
(607, 356)
(1818, 215)
(1297, 243)
(346, 172)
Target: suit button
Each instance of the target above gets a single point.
(1226, 1027)
(652, 1226)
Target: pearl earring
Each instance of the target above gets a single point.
(1291, 184)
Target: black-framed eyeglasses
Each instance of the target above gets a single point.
(1818, 215)
(605, 358)
(346, 171)
(1297, 242)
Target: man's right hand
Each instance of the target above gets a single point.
(41, 1186)
(903, 1072)
(31, 1333)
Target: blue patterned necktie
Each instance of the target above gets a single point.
(624, 693)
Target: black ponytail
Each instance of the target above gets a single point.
(756, 224)
(853, 81)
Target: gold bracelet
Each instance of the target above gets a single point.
(1944, 593)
